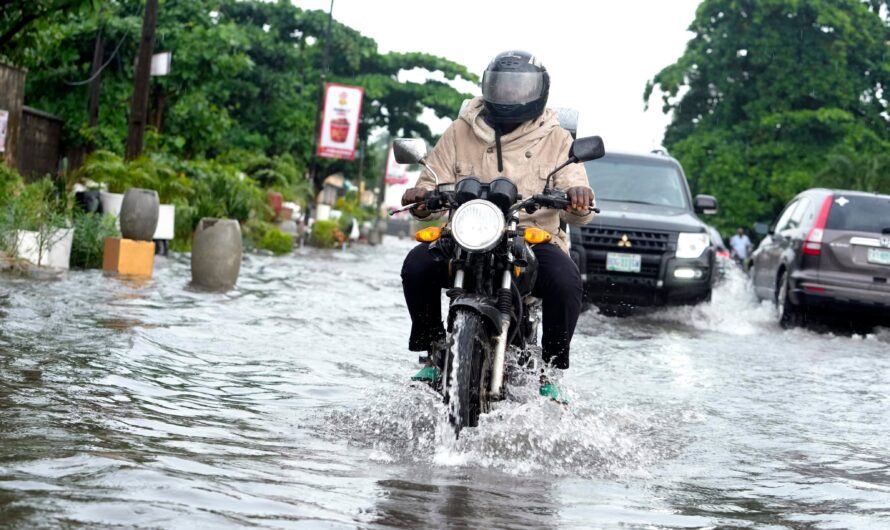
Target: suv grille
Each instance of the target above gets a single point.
(650, 245)
(608, 239)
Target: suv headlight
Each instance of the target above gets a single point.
(478, 225)
(691, 245)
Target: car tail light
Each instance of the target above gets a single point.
(812, 246)
(722, 254)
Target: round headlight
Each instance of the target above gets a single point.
(478, 225)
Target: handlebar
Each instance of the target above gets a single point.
(551, 198)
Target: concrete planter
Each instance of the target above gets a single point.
(111, 203)
(216, 254)
(53, 251)
(166, 222)
(323, 212)
(139, 214)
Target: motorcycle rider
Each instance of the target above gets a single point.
(507, 132)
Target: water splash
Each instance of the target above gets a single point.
(523, 435)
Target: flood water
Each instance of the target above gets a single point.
(286, 403)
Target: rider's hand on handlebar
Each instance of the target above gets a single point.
(581, 197)
(413, 195)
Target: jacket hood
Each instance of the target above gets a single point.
(527, 133)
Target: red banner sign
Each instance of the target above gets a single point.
(339, 124)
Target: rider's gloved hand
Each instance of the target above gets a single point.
(413, 195)
(582, 199)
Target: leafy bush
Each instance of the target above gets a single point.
(90, 231)
(38, 207)
(155, 172)
(10, 183)
(277, 241)
(223, 191)
(324, 234)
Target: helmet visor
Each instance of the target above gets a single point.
(512, 88)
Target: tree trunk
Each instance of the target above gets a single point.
(98, 55)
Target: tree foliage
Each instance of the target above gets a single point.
(244, 77)
(767, 90)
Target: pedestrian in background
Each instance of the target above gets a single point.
(740, 246)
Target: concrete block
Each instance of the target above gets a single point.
(128, 257)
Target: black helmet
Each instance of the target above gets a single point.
(515, 87)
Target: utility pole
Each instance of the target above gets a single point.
(139, 105)
(313, 163)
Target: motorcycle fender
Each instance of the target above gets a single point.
(480, 304)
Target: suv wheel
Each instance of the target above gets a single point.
(789, 314)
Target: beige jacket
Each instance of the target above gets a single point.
(529, 153)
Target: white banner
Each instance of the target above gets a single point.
(395, 173)
(4, 123)
(339, 126)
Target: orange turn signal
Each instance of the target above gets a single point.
(428, 234)
(533, 236)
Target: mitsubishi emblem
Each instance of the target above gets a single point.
(885, 241)
(624, 242)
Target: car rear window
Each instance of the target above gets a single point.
(856, 213)
(636, 179)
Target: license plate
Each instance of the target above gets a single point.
(879, 255)
(623, 262)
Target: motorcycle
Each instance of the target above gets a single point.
(492, 318)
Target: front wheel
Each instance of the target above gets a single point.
(468, 370)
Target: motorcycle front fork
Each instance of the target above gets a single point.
(495, 389)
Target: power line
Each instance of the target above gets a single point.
(101, 68)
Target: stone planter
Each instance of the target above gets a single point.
(111, 203)
(56, 247)
(166, 222)
(216, 254)
(139, 214)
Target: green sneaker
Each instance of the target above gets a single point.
(427, 373)
(549, 390)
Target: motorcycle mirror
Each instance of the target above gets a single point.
(582, 150)
(409, 150)
(587, 148)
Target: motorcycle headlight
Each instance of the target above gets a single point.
(691, 245)
(478, 225)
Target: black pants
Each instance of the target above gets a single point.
(558, 286)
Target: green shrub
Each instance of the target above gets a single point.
(277, 241)
(90, 231)
(324, 234)
(10, 183)
(37, 207)
(223, 191)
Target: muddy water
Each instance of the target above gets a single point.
(286, 403)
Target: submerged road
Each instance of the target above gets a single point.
(286, 403)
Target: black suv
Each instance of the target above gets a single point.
(647, 246)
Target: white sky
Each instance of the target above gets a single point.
(599, 53)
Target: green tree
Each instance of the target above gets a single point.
(847, 169)
(767, 89)
(245, 75)
(20, 20)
